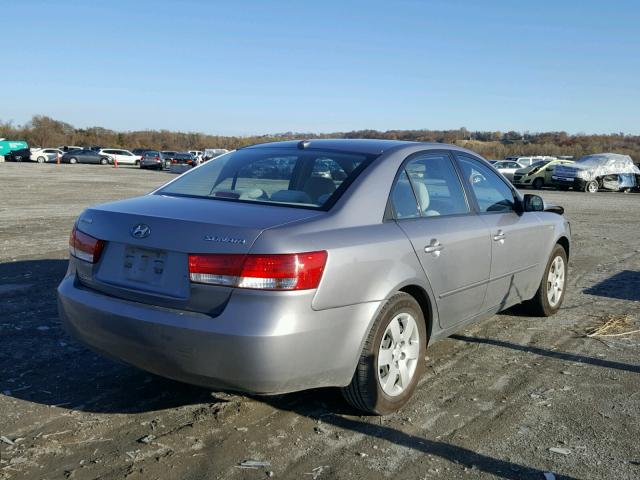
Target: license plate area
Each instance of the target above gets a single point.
(144, 265)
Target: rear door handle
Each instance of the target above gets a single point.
(434, 247)
(499, 237)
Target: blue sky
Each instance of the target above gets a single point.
(246, 67)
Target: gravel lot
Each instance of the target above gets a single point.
(495, 399)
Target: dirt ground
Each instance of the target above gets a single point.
(495, 399)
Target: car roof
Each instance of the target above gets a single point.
(366, 146)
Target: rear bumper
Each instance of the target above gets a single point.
(262, 343)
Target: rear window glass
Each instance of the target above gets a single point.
(288, 177)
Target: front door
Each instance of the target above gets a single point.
(450, 240)
(517, 238)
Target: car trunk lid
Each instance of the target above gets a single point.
(148, 240)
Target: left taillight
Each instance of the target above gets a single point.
(292, 271)
(84, 246)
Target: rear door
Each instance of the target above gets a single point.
(451, 240)
(517, 238)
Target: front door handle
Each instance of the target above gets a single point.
(499, 237)
(434, 247)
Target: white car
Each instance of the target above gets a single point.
(197, 154)
(124, 157)
(44, 155)
(507, 168)
(528, 161)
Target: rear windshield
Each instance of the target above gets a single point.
(183, 156)
(289, 177)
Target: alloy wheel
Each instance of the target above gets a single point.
(555, 281)
(398, 354)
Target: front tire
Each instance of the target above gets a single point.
(538, 183)
(41, 160)
(591, 186)
(104, 161)
(550, 295)
(391, 361)
(73, 160)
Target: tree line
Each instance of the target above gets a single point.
(44, 131)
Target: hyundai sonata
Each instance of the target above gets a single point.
(295, 265)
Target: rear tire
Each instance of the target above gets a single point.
(399, 360)
(543, 304)
(538, 183)
(41, 160)
(591, 186)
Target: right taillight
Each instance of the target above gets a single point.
(291, 271)
(84, 246)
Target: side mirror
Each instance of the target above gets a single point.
(532, 203)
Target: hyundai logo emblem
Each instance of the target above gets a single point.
(140, 231)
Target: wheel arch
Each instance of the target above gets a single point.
(564, 243)
(422, 297)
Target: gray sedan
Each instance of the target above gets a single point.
(294, 265)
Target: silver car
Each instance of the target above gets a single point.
(323, 263)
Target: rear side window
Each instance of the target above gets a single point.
(429, 186)
(290, 177)
(403, 198)
(436, 185)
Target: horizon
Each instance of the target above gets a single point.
(253, 69)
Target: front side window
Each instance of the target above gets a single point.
(305, 178)
(491, 192)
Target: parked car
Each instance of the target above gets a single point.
(506, 168)
(124, 157)
(84, 156)
(141, 151)
(183, 158)
(609, 171)
(197, 155)
(43, 155)
(230, 280)
(528, 161)
(538, 174)
(210, 153)
(20, 155)
(153, 159)
(8, 146)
